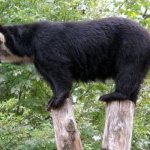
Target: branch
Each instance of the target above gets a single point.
(145, 15)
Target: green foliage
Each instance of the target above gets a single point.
(24, 123)
(135, 9)
(26, 130)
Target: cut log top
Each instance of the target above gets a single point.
(66, 133)
(118, 125)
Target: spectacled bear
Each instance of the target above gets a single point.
(64, 52)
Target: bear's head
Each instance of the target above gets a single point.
(6, 56)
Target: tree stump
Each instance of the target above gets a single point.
(66, 134)
(118, 125)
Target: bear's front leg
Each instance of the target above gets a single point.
(57, 101)
(59, 78)
(61, 84)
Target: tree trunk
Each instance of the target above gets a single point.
(66, 133)
(118, 125)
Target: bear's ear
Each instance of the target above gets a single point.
(2, 38)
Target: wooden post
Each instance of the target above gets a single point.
(66, 133)
(118, 125)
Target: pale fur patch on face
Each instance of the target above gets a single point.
(16, 59)
(2, 38)
(7, 57)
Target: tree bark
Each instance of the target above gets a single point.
(118, 125)
(66, 134)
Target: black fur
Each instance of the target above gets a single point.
(114, 48)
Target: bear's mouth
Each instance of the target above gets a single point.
(8, 58)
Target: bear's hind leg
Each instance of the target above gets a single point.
(113, 96)
(127, 85)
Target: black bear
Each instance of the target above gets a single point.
(64, 52)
